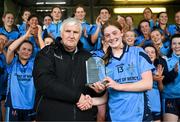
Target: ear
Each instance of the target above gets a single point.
(51, 13)
(3, 18)
(109, 16)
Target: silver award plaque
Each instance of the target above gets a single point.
(95, 70)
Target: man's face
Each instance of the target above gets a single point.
(70, 36)
(80, 13)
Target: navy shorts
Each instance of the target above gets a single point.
(172, 106)
(156, 116)
(21, 115)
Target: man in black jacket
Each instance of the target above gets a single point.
(60, 78)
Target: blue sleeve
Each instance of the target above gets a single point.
(165, 48)
(93, 29)
(10, 66)
(145, 63)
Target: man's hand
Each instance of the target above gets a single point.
(85, 102)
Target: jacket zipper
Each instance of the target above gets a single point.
(74, 106)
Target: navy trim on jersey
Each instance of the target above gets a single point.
(125, 49)
(146, 57)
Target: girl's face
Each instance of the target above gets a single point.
(145, 28)
(26, 15)
(80, 13)
(177, 18)
(129, 21)
(25, 51)
(147, 14)
(56, 14)
(176, 45)
(33, 22)
(47, 20)
(151, 53)
(163, 18)
(113, 36)
(129, 38)
(156, 37)
(8, 19)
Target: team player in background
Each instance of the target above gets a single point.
(3, 75)
(130, 38)
(162, 45)
(23, 26)
(9, 29)
(171, 92)
(54, 28)
(175, 28)
(85, 36)
(21, 91)
(96, 37)
(154, 94)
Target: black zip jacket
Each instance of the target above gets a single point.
(60, 78)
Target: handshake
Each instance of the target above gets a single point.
(86, 102)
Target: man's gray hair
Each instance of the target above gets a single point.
(71, 21)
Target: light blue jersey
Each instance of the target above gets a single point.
(22, 28)
(98, 53)
(86, 41)
(154, 98)
(98, 43)
(127, 106)
(13, 35)
(54, 29)
(140, 40)
(165, 48)
(172, 90)
(21, 85)
(173, 29)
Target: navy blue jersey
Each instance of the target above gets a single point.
(3, 75)
(127, 106)
(21, 85)
(13, 35)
